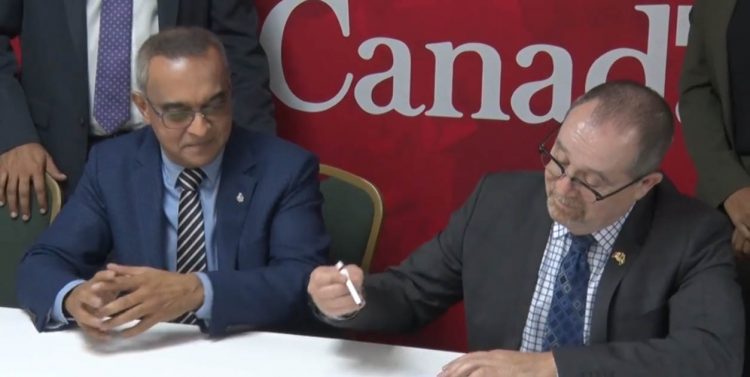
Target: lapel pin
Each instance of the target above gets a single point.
(619, 257)
(240, 198)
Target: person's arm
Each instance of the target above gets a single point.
(297, 243)
(75, 246)
(702, 119)
(23, 161)
(424, 286)
(16, 125)
(706, 321)
(235, 22)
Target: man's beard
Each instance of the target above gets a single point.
(565, 209)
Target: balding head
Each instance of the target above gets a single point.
(630, 107)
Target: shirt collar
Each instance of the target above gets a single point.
(173, 170)
(604, 237)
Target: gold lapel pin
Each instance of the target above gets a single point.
(619, 257)
(240, 197)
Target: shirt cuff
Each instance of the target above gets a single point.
(331, 319)
(204, 312)
(56, 317)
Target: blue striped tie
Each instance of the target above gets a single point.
(191, 238)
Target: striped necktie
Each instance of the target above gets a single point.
(191, 238)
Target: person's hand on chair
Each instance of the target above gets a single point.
(21, 171)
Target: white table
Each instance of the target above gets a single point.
(178, 350)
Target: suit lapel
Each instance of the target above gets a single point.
(148, 185)
(233, 200)
(75, 11)
(167, 10)
(628, 244)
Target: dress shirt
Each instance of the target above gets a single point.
(558, 244)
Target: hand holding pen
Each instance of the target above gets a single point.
(337, 290)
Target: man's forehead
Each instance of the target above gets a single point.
(193, 82)
(601, 147)
(584, 120)
(581, 112)
(194, 100)
(209, 60)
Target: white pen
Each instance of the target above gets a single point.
(349, 285)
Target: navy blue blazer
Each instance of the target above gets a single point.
(268, 243)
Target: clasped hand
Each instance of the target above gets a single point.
(121, 294)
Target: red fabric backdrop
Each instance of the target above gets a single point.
(426, 165)
(426, 160)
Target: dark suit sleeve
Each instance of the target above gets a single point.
(235, 22)
(75, 246)
(701, 115)
(275, 294)
(706, 326)
(422, 287)
(16, 127)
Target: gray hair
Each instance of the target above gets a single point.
(632, 106)
(176, 43)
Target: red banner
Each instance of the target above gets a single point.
(424, 97)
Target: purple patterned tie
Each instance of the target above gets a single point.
(112, 94)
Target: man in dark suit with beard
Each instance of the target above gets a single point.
(596, 267)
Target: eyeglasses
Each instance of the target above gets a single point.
(557, 170)
(183, 118)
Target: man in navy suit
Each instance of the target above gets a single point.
(201, 222)
(49, 102)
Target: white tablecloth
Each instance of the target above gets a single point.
(177, 350)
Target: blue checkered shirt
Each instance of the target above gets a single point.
(557, 246)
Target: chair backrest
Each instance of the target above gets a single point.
(16, 236)
(353, 212)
